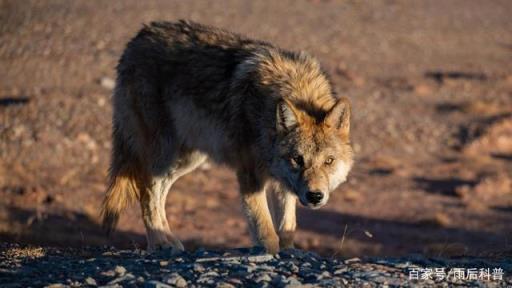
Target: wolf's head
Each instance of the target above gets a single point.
(312, 155)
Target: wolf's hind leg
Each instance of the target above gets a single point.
(283, 210)
(185, 164)
(150, 200)
(159, 234)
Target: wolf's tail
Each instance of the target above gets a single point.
(125, 183)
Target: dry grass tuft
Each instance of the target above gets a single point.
(25, 252)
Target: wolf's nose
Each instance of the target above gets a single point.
(314, 197)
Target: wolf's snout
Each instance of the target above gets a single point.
(314, 197)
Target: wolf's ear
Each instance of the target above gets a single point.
(339, 116)
(287, 116)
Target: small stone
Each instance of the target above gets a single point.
(100, 45)
(101, 102)
(263, 278)
(340, 271)
(224, 285)
(109, 273)
(210, 274)
(164, 263)
(120, 270)
(308, 273)
(107, 82)
(176, 280)
(56, 285)
(260, 258)
(205, 280)
(352, 260)
(324, 275)
(181, 283)
(293, 282)
(156, 284)
(235, 281)
(198, 268)
(292, 267)
(404, 265)
(247, 268)
(125, 277)
(265, 267)
(90, 281)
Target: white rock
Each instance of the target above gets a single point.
(120, 270)
(90, 281)
(176, 280)
(107, 82)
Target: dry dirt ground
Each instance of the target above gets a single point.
(430, 82)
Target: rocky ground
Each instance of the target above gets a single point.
(431, 88)
(33, 267)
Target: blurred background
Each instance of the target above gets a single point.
(430, 82)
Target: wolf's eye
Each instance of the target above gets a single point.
(297, 161)
(329, 160)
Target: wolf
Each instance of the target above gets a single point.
(187, 92)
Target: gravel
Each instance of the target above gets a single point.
(244, 267)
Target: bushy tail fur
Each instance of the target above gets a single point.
(125, 183)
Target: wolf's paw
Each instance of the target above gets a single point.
(271, 245)
(286, 245)
(175, 247)
(286, 240)
(176, 250)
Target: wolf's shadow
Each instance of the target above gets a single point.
(70, 229)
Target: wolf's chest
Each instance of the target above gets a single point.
(201, 130)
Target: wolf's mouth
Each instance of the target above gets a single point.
(310, 205)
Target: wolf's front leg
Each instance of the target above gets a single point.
(283, 206)
(254, 203)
